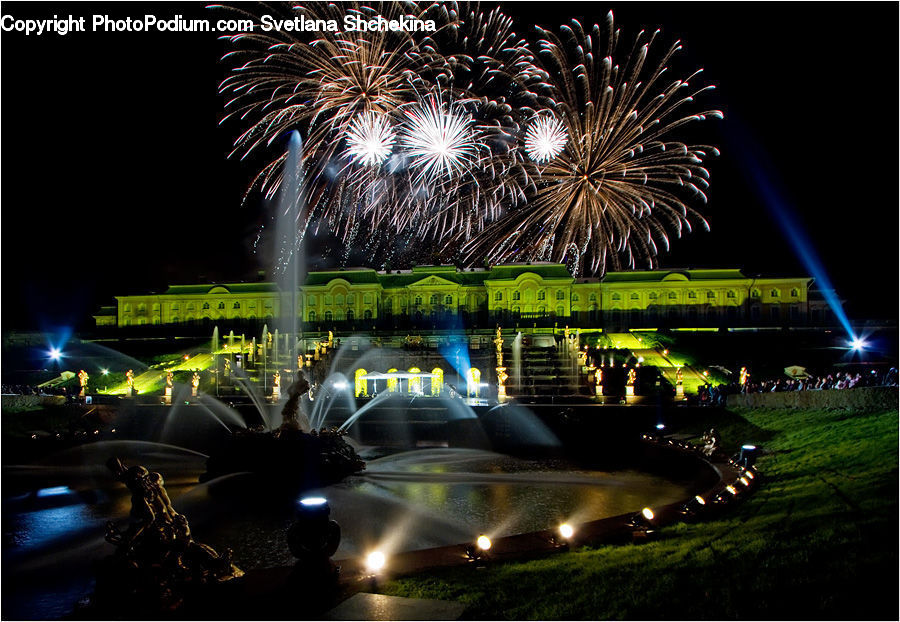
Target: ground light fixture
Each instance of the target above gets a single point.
(747, 457)
(55, 354)
(483, 543)
(478, 550)
(563, 535)
(375, 562)
(693, 507)
(641, 525)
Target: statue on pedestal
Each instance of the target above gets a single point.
(157, 563)
(170, 382)
(195, 384)
(129, 383)
(632, 376)
(82, 381)
(276, 386)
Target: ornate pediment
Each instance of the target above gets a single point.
(432, 282)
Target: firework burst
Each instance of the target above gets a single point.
(621, 183)
(545, 139)
(369, 139)
(439, 140)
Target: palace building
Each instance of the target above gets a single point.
(536, 293)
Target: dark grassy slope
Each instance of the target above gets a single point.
(818, 540)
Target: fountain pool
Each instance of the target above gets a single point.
(404, 501)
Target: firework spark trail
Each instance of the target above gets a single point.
(615, 189)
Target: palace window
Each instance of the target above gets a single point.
(615, 296)
(142, 308)
(731, 294)
(190, 306)
(635, 296)
(236, 305)
(328, 299)
(127, 308)
(339, 299)
(498, 296)
(367, 299)
(560, 311)
(652, 295)
(593, 298)
(328, 316)
(350, 315)
(755, 293)
(155, 307)
(542, 295)
(221, 305)
(311, 300)
(174, 306)
(448, 300)
(692, 295)
(351, 299)
(516, 295)
(775, 293)
(542, 310)
(560, 294)
(312, 316)
(795, 292)
(516, 310)
(710, 294)
(435, 299)
(367, 314)
(418, 300)
(205, 305)
(574, 297)
(672, 295)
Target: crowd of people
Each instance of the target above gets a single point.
(716, 395)
(835, 380)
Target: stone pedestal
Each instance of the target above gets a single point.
(679, 393)
(167, 397)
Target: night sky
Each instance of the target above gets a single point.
(115, 178)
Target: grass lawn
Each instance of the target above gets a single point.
(818, 540)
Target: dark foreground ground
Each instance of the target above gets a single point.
(818, 540)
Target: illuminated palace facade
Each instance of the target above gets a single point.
(528, 294)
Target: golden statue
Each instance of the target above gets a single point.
(679, 376)
(632, 376)
(276, 379)
(330, 339)
(498, 341)
(745, 376)
(170, 379)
